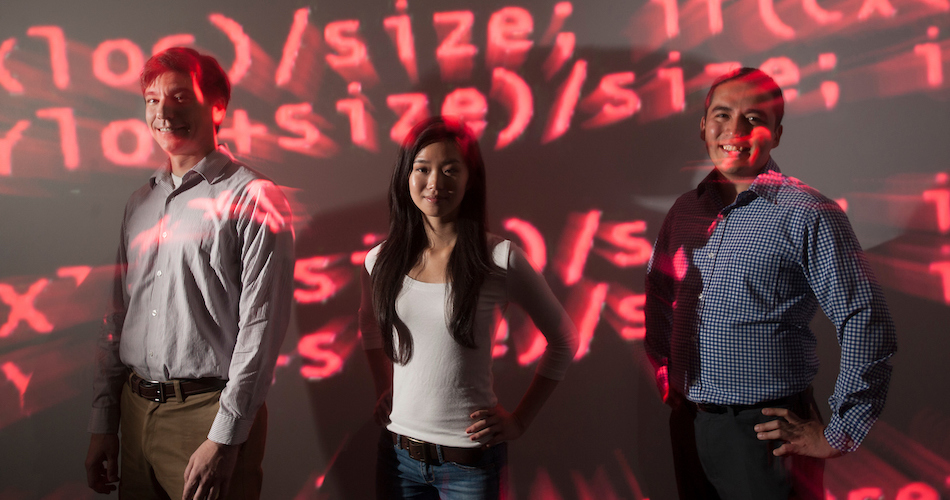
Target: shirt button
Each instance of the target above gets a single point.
(700, 298)
(154, 312)
(159, 274)
(151, 354)
(164, 235)
(712, 255)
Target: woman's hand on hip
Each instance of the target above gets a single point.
(495, 423)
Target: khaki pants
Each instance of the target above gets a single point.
(158, 439)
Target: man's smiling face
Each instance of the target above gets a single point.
(740, 129)
(180, 119)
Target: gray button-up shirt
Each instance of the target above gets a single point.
(203, 289)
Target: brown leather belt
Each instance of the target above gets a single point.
(429, 452)
(163, 391)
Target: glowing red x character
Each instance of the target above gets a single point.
(215, 209)
(22, 309)
(265, 212)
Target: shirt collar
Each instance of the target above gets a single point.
(765, 185)
(209, 167)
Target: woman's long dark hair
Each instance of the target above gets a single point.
(470, 262)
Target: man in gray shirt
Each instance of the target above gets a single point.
(200, 306)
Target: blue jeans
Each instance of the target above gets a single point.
(400, 476)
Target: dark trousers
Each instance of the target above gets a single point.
(718, 456)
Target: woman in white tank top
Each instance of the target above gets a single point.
(430, 295)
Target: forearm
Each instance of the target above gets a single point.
(534, 398)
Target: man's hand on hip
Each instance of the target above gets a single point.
(103, 449)
(800, 436)
(209, 470)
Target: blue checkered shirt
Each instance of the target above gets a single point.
(731, 291)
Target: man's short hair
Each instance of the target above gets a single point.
(212, 80)
(758, 78)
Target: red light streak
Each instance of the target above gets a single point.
(562, 51)
(57, 52)
(629, 307)
(575, 246)
(843, 203)
(943, 269)
(352, 59)
(292, 47)
(150, 237)
(531, 240)
(586, 302)
(314, 347)
(242, 46)
(677, 92)
(508, 32)
(715, 70)
(242, 131)
(133, 63)
(176, 40)
(714, 12)
(534, 344)
(820, 15)
(327, 349)
(598, 489)
(22, 308)
(276, 218)
(293, 118)
(508, 88)
(866, 493)
(830, 93)
(411, 109)
(67, 133)
(827, 61)
(455, 54)
(882, 7)
(6, 146)
(933, 32)
(216, 209)
(78, 273)
(917, 491)
(400, 31)
(620, 234)
(321, 283)
(680, 264)
(500, 336)
(786, 74)
(470, 106)
(562, 11)
(19, 380)
(143, 142)
(362, 125)
(612, 101)
(568, 94)
(771, 21)
(12, 85)
(670, 17)
(941, 200)
(931, 54)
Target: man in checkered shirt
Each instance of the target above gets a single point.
(740, 267)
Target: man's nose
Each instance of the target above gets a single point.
(164, 110)
(741, 127)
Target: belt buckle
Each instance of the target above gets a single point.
(161, 397)
(417, 449)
